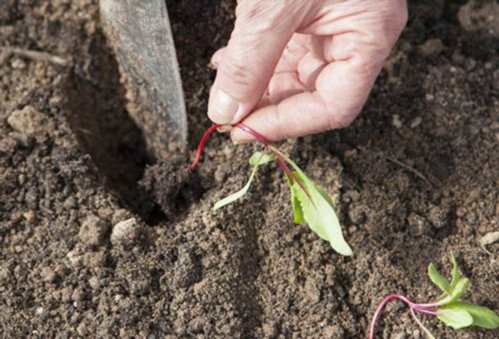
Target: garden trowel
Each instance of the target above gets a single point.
(141, 36)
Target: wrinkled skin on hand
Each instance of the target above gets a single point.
(295, 67)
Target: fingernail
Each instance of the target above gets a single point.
(222, 107)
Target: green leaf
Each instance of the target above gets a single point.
(318, 212)
(260, 158)
(438, 279)
(256, 160)
(455, 317)
(460, 288)
(456, 273)
(298, 216)
(457, 292)
(238, 195)
(482, 316)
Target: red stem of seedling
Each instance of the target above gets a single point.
(264, 141)
(259, 137)
(281, 162)
(420, 308)
(202, 145)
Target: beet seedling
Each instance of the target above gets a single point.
(449, 308)
(310, 203)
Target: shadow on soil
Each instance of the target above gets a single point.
(98, 117)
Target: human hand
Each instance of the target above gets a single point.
(299, 67)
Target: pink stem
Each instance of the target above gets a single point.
(202, 145)
(281, 162)
(204, 139)
(425, 310)
(421, 308)
(259, 137)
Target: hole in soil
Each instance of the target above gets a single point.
(104, 129)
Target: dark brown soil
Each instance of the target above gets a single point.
(416, 177)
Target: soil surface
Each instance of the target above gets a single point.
(98, 239)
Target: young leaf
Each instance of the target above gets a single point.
(298, 217)
(259, 158)
(460, 288)
(457, 292)
(456, 273)
(256, 160)
(438, 279)
(238, 195)
(455, 317)
(482, 316)
(318, 212)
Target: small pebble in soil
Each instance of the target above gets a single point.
(489, 238)
(418, 225)
(29, 216)
(48, 274)
(93, 231)
(431, 47)
(269, 329)
(187, 268)
(39, 310)
(17, 63)
(29, 121)
(357, 214)
(334, 331)
(312, 292)
(78, 295)
(396, 122)
(399, 335)
(94, 283)
(4, 275)
(7, 145)
(75, 257)
(416, 122)
(438, 216)
(82, 329)
(120, 215)
(125, 232)
(4, 57)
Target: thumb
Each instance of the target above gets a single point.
(262, 30)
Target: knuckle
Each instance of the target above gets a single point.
(264, 15)
(237, 73)
(391, 19)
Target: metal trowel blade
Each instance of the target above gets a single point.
(141, 35)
